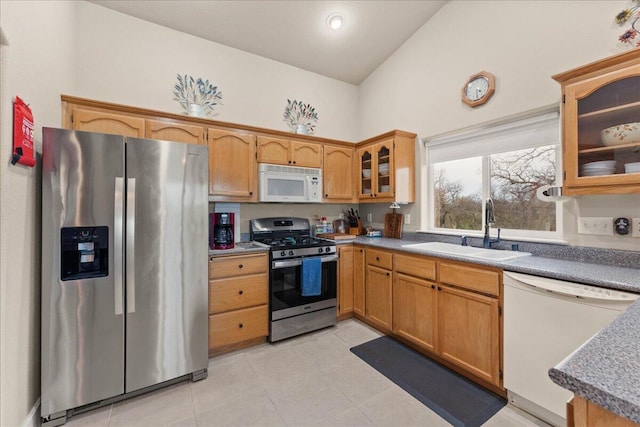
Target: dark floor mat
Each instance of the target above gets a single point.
(456, 399)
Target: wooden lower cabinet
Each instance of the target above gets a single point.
(469, 333)
(450, 310)
(238, 301)
(358, 280)
(584, 413)
(238, 325)
(378, 297)
(345, 280)
(415, 310)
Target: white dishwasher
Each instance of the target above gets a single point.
(545, 320)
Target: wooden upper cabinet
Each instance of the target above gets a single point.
(306, 154)
(232, 166)
(291, 153)
(98, 121)
(598, 96)
(386, 168)
(377, 172)
(337, 173)
(179, 132)
(273, 150)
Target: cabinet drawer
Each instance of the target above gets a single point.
(473, 278)
(379, 258)
(239, 325)
(238, 292)
(415, 266)
(237, 265)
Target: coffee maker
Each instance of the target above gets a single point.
(222, 226)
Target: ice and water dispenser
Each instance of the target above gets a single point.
(84, 252)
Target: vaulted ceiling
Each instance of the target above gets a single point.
(295, 32)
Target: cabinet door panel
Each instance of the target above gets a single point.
(97, 121)
(337, 173)
(232, 166)
(273, 150)
(345, 279)
(358, 281)
(414, 310)
(379, 296)
(179, 132)
(468, 332)
(306, 154)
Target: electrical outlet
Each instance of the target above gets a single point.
(601, 226)
(407, 219)
(635, 227)
(369, 217)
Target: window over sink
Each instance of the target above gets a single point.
(507, 162)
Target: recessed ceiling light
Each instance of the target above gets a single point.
(335, 21)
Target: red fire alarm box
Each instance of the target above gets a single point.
(23, 151)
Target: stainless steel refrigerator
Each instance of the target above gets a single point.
(124, 268)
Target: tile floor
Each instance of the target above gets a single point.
(311, 380)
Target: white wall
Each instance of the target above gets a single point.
(130, 61)
(37, 64)
(523, 43)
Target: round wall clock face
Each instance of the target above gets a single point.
(478, 89)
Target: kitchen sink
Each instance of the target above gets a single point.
(470, 251)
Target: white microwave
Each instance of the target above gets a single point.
(289, 184)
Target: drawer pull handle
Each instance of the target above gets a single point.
(439, 288)
(240, 292)
(433, 286)
(240, 266)
(240, 326)
(388, 274)
(377, 259)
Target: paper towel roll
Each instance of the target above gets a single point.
(550, 193)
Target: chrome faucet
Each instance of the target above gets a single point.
(489, 218)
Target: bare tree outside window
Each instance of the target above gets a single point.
(515, 178)
(458, 194)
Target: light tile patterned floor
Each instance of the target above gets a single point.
(311, 380)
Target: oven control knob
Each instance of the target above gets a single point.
(319, 250)
(327, 249)
(283, 253)
(290, 253)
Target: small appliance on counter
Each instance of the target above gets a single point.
(222, 235)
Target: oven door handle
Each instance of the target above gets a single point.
(298, 261)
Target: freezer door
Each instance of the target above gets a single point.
(82, 320)
(166, 261)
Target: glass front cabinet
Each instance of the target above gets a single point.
(377, 171)
(601, 126)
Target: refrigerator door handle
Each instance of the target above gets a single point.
(131, 244)
(118, 273)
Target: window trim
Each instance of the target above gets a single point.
(519, 123)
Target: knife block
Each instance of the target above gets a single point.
(356, 231)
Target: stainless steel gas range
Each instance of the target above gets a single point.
(294, 249)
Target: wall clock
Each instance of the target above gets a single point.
(478, 89)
